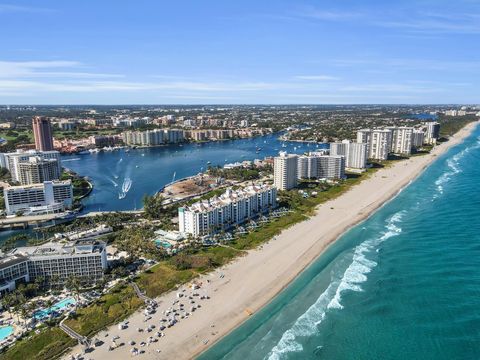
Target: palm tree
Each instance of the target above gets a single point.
(74, 284)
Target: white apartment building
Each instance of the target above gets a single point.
(355, 153)
(43, 198)
(321, 166)
(364, 137)
(153, 137)
(13, 160)
(379, 142)
(285, 171)
(54, 262)
(432, 132)
(331, 167)
(307, 167)
(401, 140)
(229, 209)
(418, 138)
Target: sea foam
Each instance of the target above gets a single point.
(353, 276)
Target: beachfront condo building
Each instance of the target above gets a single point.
(379, 142)
(320, 166)
(35, 199)
(418, 138)
(54, 263)
(364, 137)
(432, 132)
(231, 208)
(331, 167)
(43, 134)
(307, 167)
(355, 153)
(285, 171)
(12, 162)
(401, 140)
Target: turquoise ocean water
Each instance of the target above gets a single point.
(404, 284)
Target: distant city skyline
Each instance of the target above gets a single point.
(249, 52)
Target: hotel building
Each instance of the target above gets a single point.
(54, 263)
(42, 132)
(285, 171)
(231, 208)
(43, 198)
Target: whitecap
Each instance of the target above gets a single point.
(353, 276)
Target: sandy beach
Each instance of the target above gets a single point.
(242, 287)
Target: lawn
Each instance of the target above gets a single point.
(48, 344)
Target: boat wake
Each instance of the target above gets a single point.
(74, 159)
(351, 279)
(127, 184)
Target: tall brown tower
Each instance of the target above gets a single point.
(42, 131)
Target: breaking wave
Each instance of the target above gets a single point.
(351, 279)
(454, 168)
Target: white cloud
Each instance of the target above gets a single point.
(46, 69)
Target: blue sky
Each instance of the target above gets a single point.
(242, 52)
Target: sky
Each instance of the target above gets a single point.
(239, 52)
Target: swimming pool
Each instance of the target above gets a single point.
(162, 243)
(41, 314)
(5, 331)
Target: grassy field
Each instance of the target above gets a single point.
(44, 346)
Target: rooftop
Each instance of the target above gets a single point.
(228, 197)
(54, 248)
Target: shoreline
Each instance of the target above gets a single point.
(240, 291)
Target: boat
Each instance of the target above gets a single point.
(84, 152)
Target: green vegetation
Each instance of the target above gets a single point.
(238, 173)
(81, 186)
(449, 125)
(15, 138)
(111, 308)
(48, 344)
